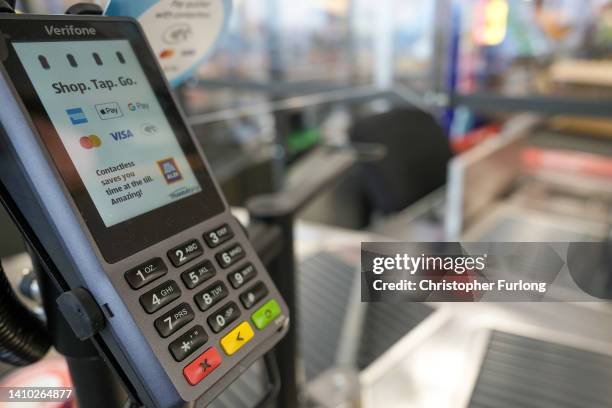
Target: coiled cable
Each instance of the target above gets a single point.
(23, 336)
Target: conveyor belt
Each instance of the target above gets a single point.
(385, 324)
(324, 293)
(522, 372)
(324, 289)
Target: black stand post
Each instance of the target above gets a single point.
(273, 217)
(95, 384)
(282, 271)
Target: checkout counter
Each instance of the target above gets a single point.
(426, 354)
(508, 354)
(476, 355)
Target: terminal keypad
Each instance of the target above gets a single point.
(226, 263)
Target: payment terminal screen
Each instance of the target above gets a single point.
(111, 124)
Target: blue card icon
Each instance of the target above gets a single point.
(77, 116)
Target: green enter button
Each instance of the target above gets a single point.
(266, 314)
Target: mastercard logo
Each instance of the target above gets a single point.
(167, 53)
(89, 142)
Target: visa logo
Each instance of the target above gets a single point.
(122, 135)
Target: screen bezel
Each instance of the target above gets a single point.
(126, 238)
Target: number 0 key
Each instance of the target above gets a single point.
(224, 317)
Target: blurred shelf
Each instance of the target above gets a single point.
(487, 102)
(276, 87)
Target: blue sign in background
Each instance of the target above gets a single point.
(137, 8)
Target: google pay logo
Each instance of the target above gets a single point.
(138, 106)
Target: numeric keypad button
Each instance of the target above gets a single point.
(224, 317)
(184, 253)
(253, 295)
(198, 274)
(230, 256)
(218, 236)
(210, 296)
(187, 343)
(174, 320)
(146, 273)
(160, 296)
(241, 276)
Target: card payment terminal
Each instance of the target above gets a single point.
(99, 159)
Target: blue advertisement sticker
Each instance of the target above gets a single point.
(182, 33)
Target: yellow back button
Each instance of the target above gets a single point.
(237, 338)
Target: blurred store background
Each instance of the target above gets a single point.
(476, 120)
(289, 77)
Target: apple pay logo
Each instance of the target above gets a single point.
(109, 110)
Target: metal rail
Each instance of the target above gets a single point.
(296, 102)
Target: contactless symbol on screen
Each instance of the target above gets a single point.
(90, 142)
(170, 170)
(77, 116)
(149, 128)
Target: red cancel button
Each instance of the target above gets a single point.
(202, 366)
